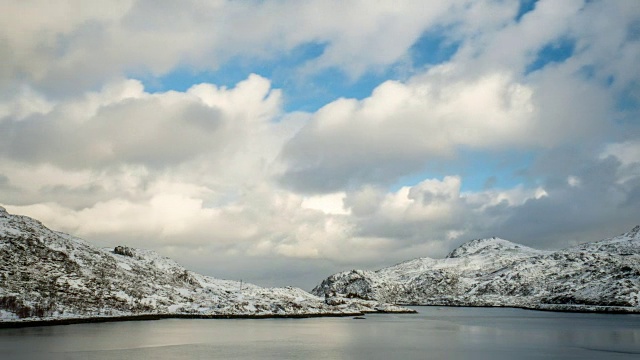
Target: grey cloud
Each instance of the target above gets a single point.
(343, 170)
(633, 196)
(142, 131)
(600, 206)
(363, 202)
(76, 198)
(262, 270)
(10, 193)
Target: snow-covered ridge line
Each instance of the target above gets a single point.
(51, 276)
(601, 276)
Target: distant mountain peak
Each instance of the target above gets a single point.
(602, 276)
(634, 233)
(487, 246)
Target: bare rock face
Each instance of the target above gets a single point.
(597, 276)
(124, 251)
(46, 274)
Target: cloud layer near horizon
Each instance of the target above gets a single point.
(228, 181)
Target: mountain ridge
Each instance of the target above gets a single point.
(488, 246)
(596, 276)
(47, 275)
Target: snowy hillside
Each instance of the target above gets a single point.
(598, 276)
(46, 274)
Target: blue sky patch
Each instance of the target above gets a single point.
(629, 99)
(554, 52)
(234, 70)
(302, 92)
(525, 7)
(478, 170)
(307, 92)
(432, 48)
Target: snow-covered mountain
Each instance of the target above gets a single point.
(598, 276)
(47, 275)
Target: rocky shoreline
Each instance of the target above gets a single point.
(618, 310)
(35, 322)
(152, 317)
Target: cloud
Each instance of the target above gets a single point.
(122, 124)
(328, 204)
(362, 36)
(76, 46)
(628, 154)
(601, 206)
(484, 98)
(435, 211)
(265, 222)
(223, 179)
(401, 127)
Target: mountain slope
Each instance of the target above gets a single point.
(599, 276)
(46, 274)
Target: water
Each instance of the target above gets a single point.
(434, 333)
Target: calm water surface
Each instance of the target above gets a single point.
(434, 333)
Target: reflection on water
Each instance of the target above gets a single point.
(434, 333)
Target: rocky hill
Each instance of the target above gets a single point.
(598, 276)
(49, 275)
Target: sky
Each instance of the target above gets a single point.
(281, 141)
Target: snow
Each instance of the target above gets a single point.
(124, 266)
(121, 295)
(69, 278)
(183, 291)
(601, 276)
(75, 283)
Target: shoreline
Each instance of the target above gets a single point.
(585, 309)
(153, 317)
(563, 308)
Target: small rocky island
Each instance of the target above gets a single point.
(602, 276)
(48, 277)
